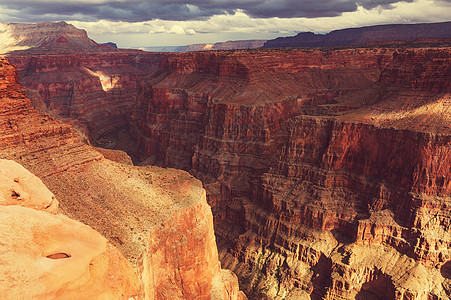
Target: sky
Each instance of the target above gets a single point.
(151, 23)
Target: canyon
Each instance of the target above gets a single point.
(327, 170)
(146, 216)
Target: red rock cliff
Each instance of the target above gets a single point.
(315, 161)
(97, 89)
(312, 159)
(127, 204)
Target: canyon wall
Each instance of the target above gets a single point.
(133, 207)
(327, 170)
(96, 89)
(312, 160)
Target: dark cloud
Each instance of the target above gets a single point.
(135, 10)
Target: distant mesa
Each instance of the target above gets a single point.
(229, 45)
(380, 35)
(111, 44)
(57, 37)
(365, 35)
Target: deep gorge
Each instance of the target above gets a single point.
(327, 170)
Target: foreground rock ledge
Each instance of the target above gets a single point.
(44, 256)
(47, 256)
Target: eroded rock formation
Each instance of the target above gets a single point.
(328, 171)
(48, 256)
(312, 159)
(19, 187)
(57, 37)
(126, 204)
(52, 257)
(96, 89)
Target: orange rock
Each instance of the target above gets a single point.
(48, 256)
(19, 187)
(181, 261)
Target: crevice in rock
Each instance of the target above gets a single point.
(60, 255)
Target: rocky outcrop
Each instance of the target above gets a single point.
(311, 159)
(187, 277)
(48, 256)
(126, 204)
(19, 187)
(52, 257)
(364, 35)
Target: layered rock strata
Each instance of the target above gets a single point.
(96, 89)
(60, 36)
(311, 159)
(364, 35)
(126, 204)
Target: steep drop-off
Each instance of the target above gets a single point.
(133, 207)
(328, 171)
(315, 163)
(49, 256)
(96, 89)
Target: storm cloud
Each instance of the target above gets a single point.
(139, 10)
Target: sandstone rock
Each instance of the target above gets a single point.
(30, 137)
(44, 37)
(96, 89)
(181, 261)
(52, 257)
(225, 286)
(19, 187)
(363, 157)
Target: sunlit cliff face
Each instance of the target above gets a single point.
(7, 40)
(108, 82)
